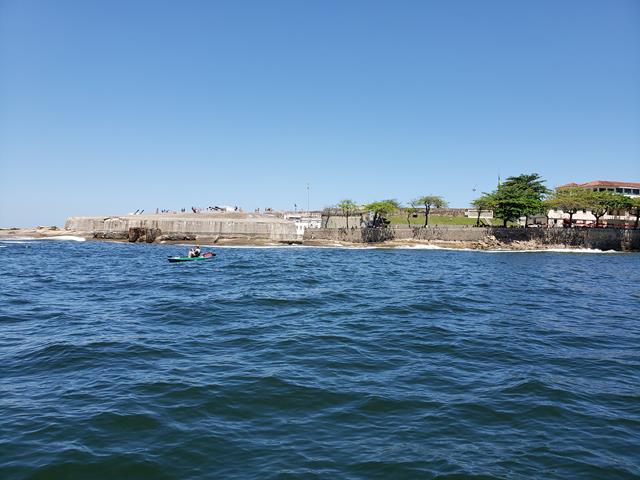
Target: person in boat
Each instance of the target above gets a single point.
(194, 252)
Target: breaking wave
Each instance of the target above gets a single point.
(71, 238)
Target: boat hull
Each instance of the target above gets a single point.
(189, 259)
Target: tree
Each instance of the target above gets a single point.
(569, 200)
(381, 209)
(509, 204)
(618, 202)
(596, 203)
(519, 196)
(634, 209)
(485, 202)
(429, 202)
(326, 215)
(603, 203)
(347, 206)
(410, 211)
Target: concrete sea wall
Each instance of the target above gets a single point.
(224, 226)
(603, 239)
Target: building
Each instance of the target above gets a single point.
(304, 220)
(630, 189)
(473, 213)
(584, 218)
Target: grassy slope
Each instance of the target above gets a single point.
(434, 220)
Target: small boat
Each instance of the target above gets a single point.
(204, 256)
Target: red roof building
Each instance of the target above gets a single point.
(631, 189)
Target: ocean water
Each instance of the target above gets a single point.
(308, 363)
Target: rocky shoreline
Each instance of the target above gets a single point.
(491, 245)
(488, 243)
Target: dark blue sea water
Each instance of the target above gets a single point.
(300, 363)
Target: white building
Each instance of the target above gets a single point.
(630, 189)
(558, 218)
(473, 213)
(304, 220)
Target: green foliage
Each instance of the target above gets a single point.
(602, 203)
(434, 220)
(348, 207)
(429, 202)
(519, 196)
(484, 203)
(529, 183)
(617, 202)
(381, 209)
(410, 211)
(569, 200)
(634, 209)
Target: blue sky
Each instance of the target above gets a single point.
(110, 106)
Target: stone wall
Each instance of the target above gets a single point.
(248, 227)
(602, 238)
(340, 221)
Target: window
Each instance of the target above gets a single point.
(636, 191)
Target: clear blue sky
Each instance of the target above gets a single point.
(110, 106)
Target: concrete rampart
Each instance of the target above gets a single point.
(601, 238)
(232, 226)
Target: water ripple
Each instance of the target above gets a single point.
(317, 363)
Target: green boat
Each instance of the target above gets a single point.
(206, 256)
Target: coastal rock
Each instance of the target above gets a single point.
(488, 243)
(138, 234)
(110, 235)
(151, 234)
(175, 238)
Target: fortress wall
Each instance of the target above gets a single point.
(600, 238)
(374, 235)
(266, 228)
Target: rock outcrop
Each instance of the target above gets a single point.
(139, 234)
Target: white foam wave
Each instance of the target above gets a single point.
(532, 250)
(254, 247)
(553, 250)
(72, 238)
(405, 247)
